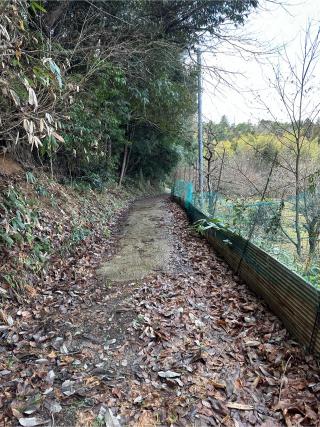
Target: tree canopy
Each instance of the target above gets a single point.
(105, 87)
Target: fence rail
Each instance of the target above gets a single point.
(291, 298)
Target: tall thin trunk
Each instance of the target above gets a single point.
(124, 163)
(297, 204)
(128, 160)
(312, 245)
(257, 213)
(208, 174)
(313, 229)
(218, 183)
(313, 233)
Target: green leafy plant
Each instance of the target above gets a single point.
(31, 179)
(42, 191)
(36, 6)
(202, 225)
(78, 234)
(19, 219)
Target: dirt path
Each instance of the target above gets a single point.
(145, 244)
(162, 335)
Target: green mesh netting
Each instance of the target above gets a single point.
(269, 224)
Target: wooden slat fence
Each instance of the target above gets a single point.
(289, 296)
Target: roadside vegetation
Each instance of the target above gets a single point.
(250, 188)
(43, 222)
(267, 174)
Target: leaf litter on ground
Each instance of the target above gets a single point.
(192, 347)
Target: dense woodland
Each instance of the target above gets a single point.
(104, 89)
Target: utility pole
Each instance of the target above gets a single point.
(200, 143)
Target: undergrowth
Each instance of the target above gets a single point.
(42, 219)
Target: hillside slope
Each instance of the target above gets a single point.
(45, 226)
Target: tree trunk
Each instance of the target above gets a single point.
(312, 246)
(128, 160)
(124, 164)
(297, 195)
(313, 235)
(218, 183)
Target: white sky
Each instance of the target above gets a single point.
(274, 24)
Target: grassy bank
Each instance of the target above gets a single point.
(45, 223)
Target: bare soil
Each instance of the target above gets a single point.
(145, 244)
(9, 166)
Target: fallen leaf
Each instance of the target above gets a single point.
(240, 406)
(53, 406)
(217, 384)
(67, 387)
(31, 422)
(110, 419)
(168, 374)
(252, 343)
(146, 419)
